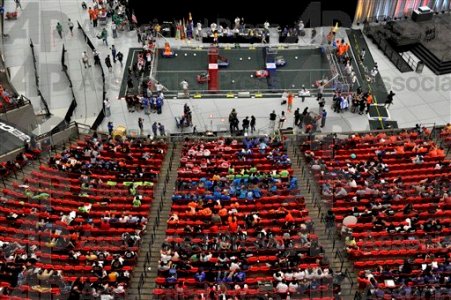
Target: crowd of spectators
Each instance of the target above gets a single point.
(237, 226)
(73, 228)
(395, 189)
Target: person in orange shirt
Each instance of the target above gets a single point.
(233, 224)
(400, 150)
(289, 217)
(290, 101)
(95, 14)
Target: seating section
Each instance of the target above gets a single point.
(12, 167)
(389, 197)
(9, 100)
(72, 228)
(238, 226)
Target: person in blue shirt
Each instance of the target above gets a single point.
(293, 183)
(153, 103)
(110, 128)
(146, 105)
(200, 276)
(159, 104)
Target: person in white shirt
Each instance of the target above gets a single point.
(293, 287)
(107, 104)
(288, 275)
(185, 86)
(85, 59)
(159, 87)
(266, 25)
(282, 287)
(278, 276)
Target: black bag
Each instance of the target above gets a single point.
(283, 102)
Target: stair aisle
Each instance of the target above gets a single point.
(145, 272)
(327, 237)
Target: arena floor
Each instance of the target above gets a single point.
(304, 66)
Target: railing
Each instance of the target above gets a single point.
(413, 63)
(101, 115)
(36, 75)
(341, 82)
(327, 141)
(156, 225)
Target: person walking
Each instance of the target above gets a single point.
(113, 53)
(107, 105)
(120, 57)
(185, 87)
(114, 30)
(18, 4)
(253, 121)
(108, 63)
(104, 36)
(155, 129)
(110, 128)
(141, 126)
(272, 120)
(161, 129)
(389, 100)
(70, 24)
(323, 118)
(85, 59)
(59, 29)
(281, 120)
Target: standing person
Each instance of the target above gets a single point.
(245, 125)
(253, 121)
(272, 120)
(107, 105)
(281, 120)
(369, 102)
(304, 93)
(297, 117)
(290, 99)
(113, 53)
(96, 58)
(321, 104)
(94, 18)
(232, 117)
(120, 57)
(85, 59)
(59, 29)
(108, 63)
(104, 36)
(389, 100)
(130, 84)
(155, 129)
(159, 103)
(18, 4)
(141, 126)
(161, 129)
(185, 86)
(114, 30)
(110, 128)
(362, 54)
(303, 117)
(323, 118)
(70, 24)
